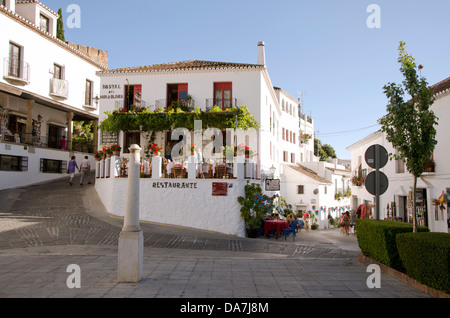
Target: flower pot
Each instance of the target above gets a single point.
(116, 153)
(108, 155)
(157, 154)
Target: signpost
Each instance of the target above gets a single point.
(376, 182)
(272, 184)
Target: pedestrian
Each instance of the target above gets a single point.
(63, 142)
(71, 168)
(346, 222)
(306, 219)
(168, 151)
(85, 168)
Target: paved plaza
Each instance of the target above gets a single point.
(46, 228)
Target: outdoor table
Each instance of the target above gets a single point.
(277, 225)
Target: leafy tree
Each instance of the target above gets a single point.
(323, 151)
(329, 150)
(60, 27)
(410, 125)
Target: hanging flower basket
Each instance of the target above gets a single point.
(155, 150)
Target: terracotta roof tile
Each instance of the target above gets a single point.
(309, 173)
(183, 66)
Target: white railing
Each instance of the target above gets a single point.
(59, 88)
(16, 70)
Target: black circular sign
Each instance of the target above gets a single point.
(370, 183)
(372, 158)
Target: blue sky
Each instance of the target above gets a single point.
(322, 48)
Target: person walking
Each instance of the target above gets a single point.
(71, 168)
(306, 219)
(85, 169)
(63, 142)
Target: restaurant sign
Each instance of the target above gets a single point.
(219, 188)
(175, 185)
(272, 184)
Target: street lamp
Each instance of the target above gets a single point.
(272, 170)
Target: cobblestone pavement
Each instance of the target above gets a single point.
(44, 228)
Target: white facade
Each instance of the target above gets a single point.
(430, 185)
(43, 88)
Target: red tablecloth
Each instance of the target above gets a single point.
(278, 225)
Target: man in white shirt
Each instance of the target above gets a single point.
(85, 169)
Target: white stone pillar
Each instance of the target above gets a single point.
(156, 167)
(239, 167)
(192, 167)
(131, 240)
(115, 166)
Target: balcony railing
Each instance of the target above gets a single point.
(222, 103)
(183, 104)
(59, 88)
(17, 71)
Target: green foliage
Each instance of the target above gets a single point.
(253, 209)
(161, 120)
(377, 239)
(410, 125)
(60, 27)
(323, 151)
(426, 258)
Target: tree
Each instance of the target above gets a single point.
(410, 125)
(60, 27)
(323, 151)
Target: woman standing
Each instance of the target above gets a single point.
(71, 168)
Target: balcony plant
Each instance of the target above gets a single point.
(358, 181)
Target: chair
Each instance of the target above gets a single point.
(221, 170)
(291, 229)
(178, 171)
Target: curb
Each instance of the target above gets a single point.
(405, 278)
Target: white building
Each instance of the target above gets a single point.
(396, 202)
(284, 140)
(46, 84)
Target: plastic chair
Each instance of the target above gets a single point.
(291, 229)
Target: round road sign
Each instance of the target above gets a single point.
(372, 158)
(370, 183)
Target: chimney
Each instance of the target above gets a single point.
(261, 54)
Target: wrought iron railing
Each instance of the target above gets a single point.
(16, 70)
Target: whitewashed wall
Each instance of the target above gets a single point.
(192, 206)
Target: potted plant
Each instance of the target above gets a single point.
(192, 148)
(155, 150)
(108, 151)
(115, 149)
(253, 209)
(98, 155)
(358, 181)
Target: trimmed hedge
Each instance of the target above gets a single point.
(377, 239)
(426, 258)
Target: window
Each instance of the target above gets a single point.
(13, 163)
(176, 92)
(58, 72)
(45, 22)
(300, 189)
(131, 138)
(133, 96)
(282, 133)
(55, 134)
(223, 94)
(53, 166)
(292, 157)
(285, 156)
(15, 56)
(88, 93)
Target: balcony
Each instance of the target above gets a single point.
(16, 72)
(183, 104)
(222, 103)
(59, 88)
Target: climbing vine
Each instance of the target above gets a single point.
(144, 120)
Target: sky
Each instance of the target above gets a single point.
(335, 55)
